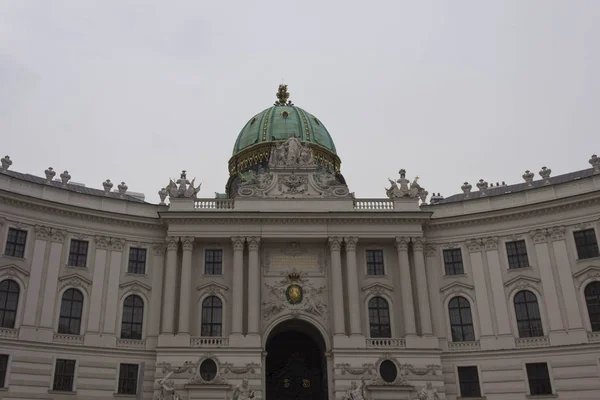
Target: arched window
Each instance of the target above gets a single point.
(461, 321)
(527, 311)
(133, 317)
(71, 308)
(9, 299)
(592, 299)
(212, 317)
(379, 318)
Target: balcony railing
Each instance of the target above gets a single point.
(385, 343)
(68, 339)
(131, 343)
(464, 346)
(373, 204)
(206, 341)
(213, 204)
(540, 341)
(8, 333)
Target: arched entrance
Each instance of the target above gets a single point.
(295, 365)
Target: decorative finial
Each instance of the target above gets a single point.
(528, 176)
(122, 189)
(6, 163)
(65, 177)
(545, 174)
(282, 96)
(595, 162)
(108, 185)
(50, 173)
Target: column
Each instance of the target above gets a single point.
(112, 293)
(187, 245)
(237, 310)
(497, 283)
(157, 288)
(98, 284)
(540, 238)
(422, 288)
(483, 303)
(253, 285)
(408, 307)
(170, 279)
(51, 284)
(559, 246)
(42, 234)
(353, 294)
(335, 243)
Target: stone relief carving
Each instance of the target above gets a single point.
(406, 188)
(183, 188)
(244, 392)
(197, 378)
(249, 368)
(356, 392)
(377, 289)
(166, 384)
(521, 282)
(539, 236)
(74, 280)
(312, 298)
(255, 184)
(211, 288)
(42, 232)
(291, 154)
(428, 393)
(366, 368)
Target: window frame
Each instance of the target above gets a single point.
(540, 311)
(594, 236)
(78, 255)
(82, 320)
(376, 264)
(211, 324)
(74, 379)
(119, 379)
(453, 262)
(479, 381)
(451, 325)
(16, 310)
(550, 377)
(520, 260)
(25, 245)
(389, 317)
(205, 259)
(137, 262)
(586, 305)
(142, 325)
(6, 383)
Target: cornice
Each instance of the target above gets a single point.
(80, 213)
(514, 213)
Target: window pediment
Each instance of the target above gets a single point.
(14, 271)
(585, 274)
(521, 282)
(377, 288)
(75, 280)
(212, 288)
(135, 286)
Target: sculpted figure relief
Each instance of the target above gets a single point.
(185, 188)
(356, 392)
(243, 392)
(167, 388)
(428, 393)
(404, 190)
(292, 153)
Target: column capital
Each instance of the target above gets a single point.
(42, 232)
(351, 242)
(418, 243)
(171, 242)
(402, 243)
(474, 245)
(102, 242)
(58, 235)
(557, 233)
(159, 248)
(253, 242)
(430, 250)
(491, 243)
(539, 236)
(187, 243)
(117, 244)
(335, 243)
(237, 242)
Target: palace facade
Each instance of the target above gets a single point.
(288, 286)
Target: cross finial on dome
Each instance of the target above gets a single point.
(282, 96)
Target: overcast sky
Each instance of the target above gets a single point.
(137, 90)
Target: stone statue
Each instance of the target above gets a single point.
(243, 392)
(185, 189)
(306, 159)
(291, 154)
(356, 392)
(167, 388)
(404, 190)
(428, 393)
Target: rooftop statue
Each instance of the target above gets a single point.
(291, 154)
(183, 187)
(406, 188)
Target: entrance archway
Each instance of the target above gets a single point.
(295, 365)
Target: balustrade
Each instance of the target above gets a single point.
(386, 343)
(206, 341)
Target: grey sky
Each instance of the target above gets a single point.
(451, 91)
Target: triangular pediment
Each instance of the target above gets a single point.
(215, 285)
(377, 285)
(456, 285)
(76, 277)
(523, 278)
(591, 268)
(135, 283)
(6, 269)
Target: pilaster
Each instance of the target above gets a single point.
(157, 271)
(168, 317)
(237, 243)
(253, 285)
(335, 244)
(185, 288)
(484, 311)
(92, 335)
(46, 332)
(408, 307)
(422, 287)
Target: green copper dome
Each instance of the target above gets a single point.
(281, 121)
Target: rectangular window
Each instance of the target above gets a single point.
(3, 369)
(539, 379)
(453, 262)
(586, 243)
(128, 378)
(78, 253)
(15, 243)
(137, 261)
(468, 379)
(375, 262)
(517, 254)
(64, 375)
(213, 262)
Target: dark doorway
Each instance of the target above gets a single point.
(296, 366)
